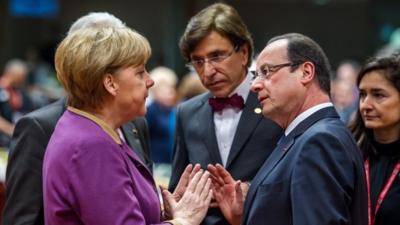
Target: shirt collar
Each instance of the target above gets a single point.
(99, 122)
(302, 116)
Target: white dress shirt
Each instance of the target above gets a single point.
(121, 135)
(227, 121)
(302, 116)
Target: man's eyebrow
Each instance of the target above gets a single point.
(216, 51)
(264, 65)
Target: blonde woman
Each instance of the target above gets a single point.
(90, 175)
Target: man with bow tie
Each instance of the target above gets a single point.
(224, 125)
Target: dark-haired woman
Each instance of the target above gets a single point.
(377, 131)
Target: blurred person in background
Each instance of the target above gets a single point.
(24, 202)
(160, 117)
(342, 97)
(225, 124)
(377, 131)
(161, 114)
(348, 71)
(14, 100)
(190, 86)
(344, 90)
(42, 85)
(6, 128)
(90, 175)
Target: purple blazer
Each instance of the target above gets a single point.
(90, 177)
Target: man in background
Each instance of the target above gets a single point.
(14, 101)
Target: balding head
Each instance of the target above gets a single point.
(96, 19)
(15, 72)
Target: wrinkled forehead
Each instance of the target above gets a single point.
(212, 42)
(274, 53)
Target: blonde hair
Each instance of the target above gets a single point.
(85, 56)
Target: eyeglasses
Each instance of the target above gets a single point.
(214, 59)
(266, 71)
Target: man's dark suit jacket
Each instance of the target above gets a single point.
(315, 176)
(24, 196)
(196, 142)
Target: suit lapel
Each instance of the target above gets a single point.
(205, 122)
(139, 164)
(280, 151)
(63, 102)
(328, 112)
(247, 123)
(131, 134)
(276, 156)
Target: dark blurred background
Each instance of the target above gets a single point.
(344, 28)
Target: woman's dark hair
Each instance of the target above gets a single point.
(389, 67)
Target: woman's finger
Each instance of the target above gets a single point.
(194, 181)
(184, 180)
(202, 182)
(206, 189)
(195, 169)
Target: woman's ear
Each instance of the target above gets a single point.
(110, 85)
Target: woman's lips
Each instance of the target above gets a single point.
(368, 117)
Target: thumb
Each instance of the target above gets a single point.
(238, 189)
(168, 197)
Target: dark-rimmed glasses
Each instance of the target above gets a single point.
(266, 71)
(214, 59)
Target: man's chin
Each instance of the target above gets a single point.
(220, 93)
(268, 113)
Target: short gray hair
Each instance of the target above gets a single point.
(96, 19)
(18, 64)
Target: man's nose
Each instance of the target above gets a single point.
(209, 69)
(256, 85)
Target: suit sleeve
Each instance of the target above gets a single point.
(144, 138)
(180, 155)
(24, 204)
(323, 182)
